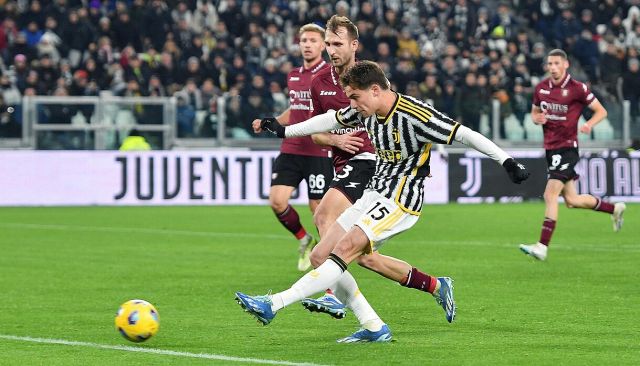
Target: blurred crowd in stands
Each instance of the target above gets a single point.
(459, 54)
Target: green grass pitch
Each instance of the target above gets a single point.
(64, 272)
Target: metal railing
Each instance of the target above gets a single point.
(93, 123)
(101, 123)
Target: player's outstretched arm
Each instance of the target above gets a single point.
(516, 171)
(320, 123)
(346, 142)
(282, 119)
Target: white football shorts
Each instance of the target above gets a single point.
(379, 217)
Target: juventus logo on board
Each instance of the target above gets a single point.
(472, 184)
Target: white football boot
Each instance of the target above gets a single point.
(616, 217)
(537, 250)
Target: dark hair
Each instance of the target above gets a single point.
(558, 52)
(364, 74)
(337, 21)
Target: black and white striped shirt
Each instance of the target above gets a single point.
(402, 141)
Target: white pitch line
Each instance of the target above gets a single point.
(154, 351)
(111, 229)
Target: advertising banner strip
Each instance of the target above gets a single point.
(474, 178)
(68, 178)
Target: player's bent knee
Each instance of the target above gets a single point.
(320, 220)
(317, 257)
(278, 206)
(348, 249)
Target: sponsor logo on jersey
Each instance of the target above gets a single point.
(299, 107)
(342, 131)
(544, 91)
(299, 94)
(352, 185)
(326, 92)
(389, 155)
(294, 78)
(554, 107)
(300, 100)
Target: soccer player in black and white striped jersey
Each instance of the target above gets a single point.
(401, 129)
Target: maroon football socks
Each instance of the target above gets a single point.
(548, 226)
(420, 281)
(289, 219)
(603, 206)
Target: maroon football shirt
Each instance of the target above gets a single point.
(299, 83)
(562, 103)
(326, 94)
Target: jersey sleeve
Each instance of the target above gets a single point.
(348, 117)
(586, 96)
(438, 128)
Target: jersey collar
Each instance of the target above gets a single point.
(314, 68)
(385, 119)
(334, 76)
(562, 84)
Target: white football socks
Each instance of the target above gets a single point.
(347, 292)
(313, 282)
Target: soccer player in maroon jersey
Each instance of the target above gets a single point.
(558, 102)
(354, 161)
(300, 158)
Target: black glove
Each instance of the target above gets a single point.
(517, 172)
(271, 124)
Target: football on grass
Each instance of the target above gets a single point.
(137, 320)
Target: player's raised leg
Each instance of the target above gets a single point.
(587, 201)
(441, 288)
(331, 273)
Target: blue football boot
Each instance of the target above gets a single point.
(328, 304)
(444, 297)
(258, 306)
(365, 335)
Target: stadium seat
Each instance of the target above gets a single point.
(513, 129)
(78, 119)
(124, 120)
(200, 116)
(534, 132)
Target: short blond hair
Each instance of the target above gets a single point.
(311, 27)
